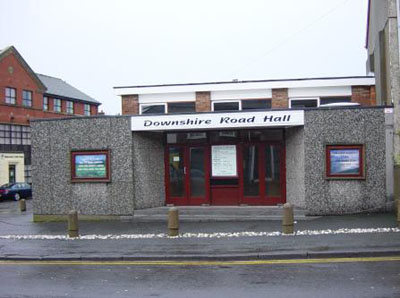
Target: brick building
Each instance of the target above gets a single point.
(26, 95)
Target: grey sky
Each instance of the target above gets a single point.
(95, 44)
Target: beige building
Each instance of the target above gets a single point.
(11, 167)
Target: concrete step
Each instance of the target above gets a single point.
(218, 213)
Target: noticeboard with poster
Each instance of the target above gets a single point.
(345, 162)
(90, 166)
(223, 161)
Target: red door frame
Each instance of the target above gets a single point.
(262, 199)
(230, 193)
(256, 200)
(187, 199)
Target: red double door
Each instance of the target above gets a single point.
(259, 178)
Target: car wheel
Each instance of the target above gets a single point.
(17, 197)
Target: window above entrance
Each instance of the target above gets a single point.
(317, 101)
(225, 136)
(168, 108)
(226, 106)
(241, 105)
(153, 109)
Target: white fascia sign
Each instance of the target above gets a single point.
(217, 120)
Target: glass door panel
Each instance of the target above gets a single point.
(197, 172)
(176, 171)
(272, 171)
(251, 181)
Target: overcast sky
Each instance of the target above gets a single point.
(95, 45)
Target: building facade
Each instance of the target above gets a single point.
(317, 143)
(382, 43)
(26, 95)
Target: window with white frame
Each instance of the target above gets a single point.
(304, 102)
(70, 107)
(334, 99)
(225, 105)
(86, 110)
(57, 105)
(26, 98)
(314, 102)
(256, 104)
(45, 103)
(15, 134)
(11, 96)
(153, 108)
(181, 107)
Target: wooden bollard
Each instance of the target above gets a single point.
(288, 219)
(73, 229)
(22, 205)
(173, 222)
(398, 213)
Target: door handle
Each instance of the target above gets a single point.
(184, 170)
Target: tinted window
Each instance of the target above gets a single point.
(223, 136)
(256, 104)
(261, 135)
(304, 103)
(191, 137)
(153, 109)
(226, 106)
(181, 107)
(328, 100)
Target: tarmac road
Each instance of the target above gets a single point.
(369, 277)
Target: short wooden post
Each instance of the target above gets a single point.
(398, 214)
(22, 205)
(396, 194)
(73, 229)
(288, 219)
(173, 222)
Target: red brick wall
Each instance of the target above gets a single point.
(94, 110)
(364, 95)
(20, 80)
(21, 115)
(280, 98)
(130, 104)
(79, 108)
(203, 101)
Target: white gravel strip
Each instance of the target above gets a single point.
(202, 235)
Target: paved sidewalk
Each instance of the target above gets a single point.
(146, 240)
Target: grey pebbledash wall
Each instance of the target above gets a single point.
(137, 167)
(52, 142)
(148, 160)
(364, 126)
(294, 139)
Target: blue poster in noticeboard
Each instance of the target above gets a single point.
(90, 166)
(345, 161)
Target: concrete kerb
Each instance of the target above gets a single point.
(219, 257)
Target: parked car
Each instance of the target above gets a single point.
(15, 191)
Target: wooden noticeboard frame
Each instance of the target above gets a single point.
(90, 166)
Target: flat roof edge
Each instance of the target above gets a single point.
(244, 81)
